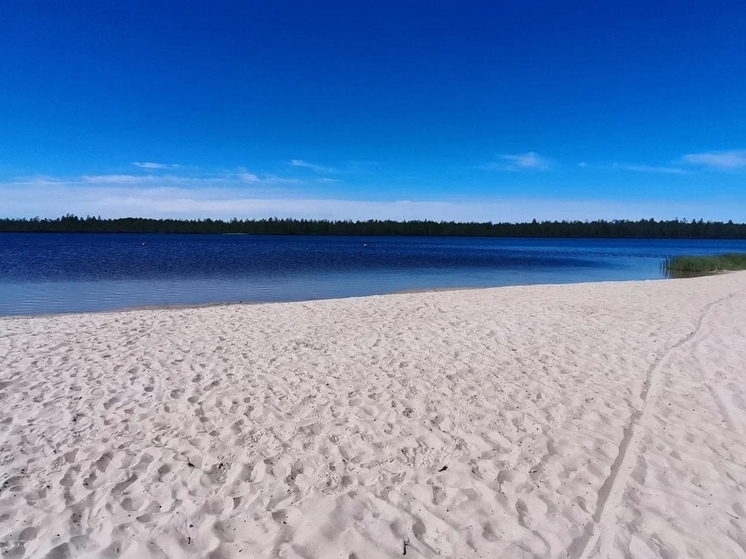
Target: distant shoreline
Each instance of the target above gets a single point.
(621, 229)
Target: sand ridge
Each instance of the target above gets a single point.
(587, 420)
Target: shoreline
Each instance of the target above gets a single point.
(187, 306)
(552, 420)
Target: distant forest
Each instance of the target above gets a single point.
(644, 228)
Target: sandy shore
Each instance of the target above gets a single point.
(591, 420)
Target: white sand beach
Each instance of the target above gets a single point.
(582, 421)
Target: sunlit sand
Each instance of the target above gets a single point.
(588, 420)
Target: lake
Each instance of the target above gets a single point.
(55, 272)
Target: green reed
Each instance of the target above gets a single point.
(705, 264)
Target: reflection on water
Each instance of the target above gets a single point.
(42, 273)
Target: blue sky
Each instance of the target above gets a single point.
(499, 111)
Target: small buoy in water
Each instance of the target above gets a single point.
(365, 245)
(144, 244)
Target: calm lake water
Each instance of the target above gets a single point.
(49, 273)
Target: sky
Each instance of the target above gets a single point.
(466, 111)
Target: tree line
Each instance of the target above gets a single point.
(644, 228)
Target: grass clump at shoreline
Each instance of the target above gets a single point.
(705, 264)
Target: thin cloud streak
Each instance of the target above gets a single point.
(724, 160)
(248, 177)
(267, 179)
(155, 166)
(311, 166)
(651, 169)
(125, 179)
(241, 176)
(519, 162)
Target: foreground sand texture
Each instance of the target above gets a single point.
(595, 420)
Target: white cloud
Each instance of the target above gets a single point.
(274, 179)
(312, 166)
(140, 181)
(122, 179)
(241, 176)
(734, 159)
(225, 199)
(155, 166)
(248, 177)
(651, 169)
(519, 162)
